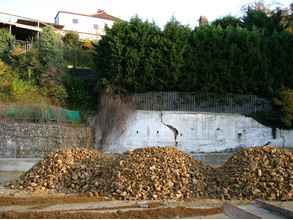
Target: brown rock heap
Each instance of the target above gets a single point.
(159, 173)
(150, 173)
(163, 173)
(252, 173)
(69, 170)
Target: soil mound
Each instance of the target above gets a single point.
(159, 173)
(263, 172)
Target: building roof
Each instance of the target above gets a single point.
(99, 14)
(35, 23)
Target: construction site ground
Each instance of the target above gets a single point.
(16, 204)
(21, 204)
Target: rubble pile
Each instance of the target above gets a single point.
(159, 173)
(163, 173)
(68, 170)
(149, 173)
(252, 173)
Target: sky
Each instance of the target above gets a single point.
(160, 11)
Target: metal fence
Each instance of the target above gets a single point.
(39, 113)
(197, 102)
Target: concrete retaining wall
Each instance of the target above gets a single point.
(197, 132)
(29, 140)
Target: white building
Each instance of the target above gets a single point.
(88, 26)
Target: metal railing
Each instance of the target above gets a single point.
(197, 102)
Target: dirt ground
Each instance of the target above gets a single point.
(178, 212)
(19, 205)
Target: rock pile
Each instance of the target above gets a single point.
(264, 172)
(164, 173)
(149, 173)
(69, 170)
(159, 173)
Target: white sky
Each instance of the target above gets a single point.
(160, 11)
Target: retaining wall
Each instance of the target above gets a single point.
(29, 140)
(197, 132)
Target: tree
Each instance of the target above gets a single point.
(255, 19)
(7, 43)
(284, 103)
(227, 21)
(71, 39)
(129, 56)
(51, 48)
(174, 45)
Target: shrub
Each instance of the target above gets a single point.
(6, 77)
(13, 89)
(284, 103)
(71, 39)
(52, 86)
(79, 96)
(88, 44)
(51, 48)
(7, 43)
(28, 65)
(227, 21)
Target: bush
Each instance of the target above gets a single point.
(52, 86)
(7, 43)
(79, 96)
(28, 65)
(51, 48)
(13, 89)
(71, 39)
(227, 21)
(284, 103)
(6, 77)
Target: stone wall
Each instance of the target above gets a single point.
(196, 132)
(29, 140)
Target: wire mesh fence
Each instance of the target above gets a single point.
(38, 113)
(198, 102)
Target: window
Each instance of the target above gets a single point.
(75, 21)
(96, 27)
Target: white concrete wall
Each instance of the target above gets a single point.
(85, 24)
(198, 132)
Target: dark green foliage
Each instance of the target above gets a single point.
(28, 65)
(284, 103)
(7, 43)
(75, 54)
(269, 22)
(174, 44)
(256, 19)
(139, 57)
(79, 96)
(71, 39)
(129, 56)
(51, 48)
(226, 61)
(227, 21)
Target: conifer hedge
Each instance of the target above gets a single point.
(137, 56)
